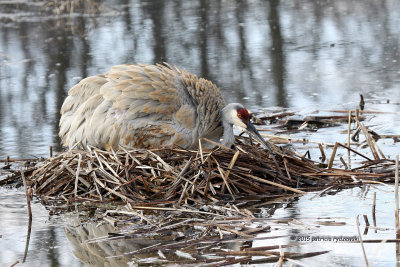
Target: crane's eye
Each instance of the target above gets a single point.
(243, 114)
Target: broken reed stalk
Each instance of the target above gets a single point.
(332, 158)
(367, 135)
(344, 163)
(28, 193)
(361, 241)
(276, 184)
(370, 140)
(354, 151)
(77, 175)
(373, 211)
(323, 156)
(349, 140)
(281, 256)
(234, 158)
(396, 195)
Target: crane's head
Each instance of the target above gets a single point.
(236, 114)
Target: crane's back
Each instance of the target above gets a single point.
(143, 106)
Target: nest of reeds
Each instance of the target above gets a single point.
(173, 176)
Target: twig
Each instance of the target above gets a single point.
(332, 158)
(275, 184)
(291, 139)
(223, 178)
(348, 139)
(184, 192)
(344, 163)
(28, 193)
(201, 151)
(172, 188)
(361, 241)
(396, 195)
(373, 211)
(77, 175)
(281, 256)
(323, 156)
(231, 164)
(370, 141)
(134, 213)
(354, 151)
(173, 209)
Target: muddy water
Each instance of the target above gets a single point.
(305, 56)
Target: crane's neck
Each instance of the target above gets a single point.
(228, 137)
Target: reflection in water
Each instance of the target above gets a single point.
(330, 216)
(100, 253)
(277, 53)
(333, 217)
(94, 245)
(258, 52)
(48, 245)
(262, 53)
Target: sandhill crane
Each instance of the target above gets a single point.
(149, 106)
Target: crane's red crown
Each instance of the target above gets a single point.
(243, 114)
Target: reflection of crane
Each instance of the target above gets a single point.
(149, 106)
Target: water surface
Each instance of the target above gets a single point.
(291, 54)
(304, 56)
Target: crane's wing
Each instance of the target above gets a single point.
(78, 107)
(141, 106)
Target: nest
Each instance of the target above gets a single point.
(173, 177)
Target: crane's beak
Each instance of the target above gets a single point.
(253, 131)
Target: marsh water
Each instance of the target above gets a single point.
(304, 56)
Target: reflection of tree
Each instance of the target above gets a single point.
(251, 49)
(28, 69)
(59, 54)
(244, 60)
(156, 12)
(277, 53)
(203, 30)
(46, 241)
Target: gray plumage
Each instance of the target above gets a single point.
(147, 106)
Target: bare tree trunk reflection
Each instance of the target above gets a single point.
(59, 54)
(85, 51)
(129, 31)
(277, 56)
(203, 32)
(156, 10)
(28, 68)
(244, 57)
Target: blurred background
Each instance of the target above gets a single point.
(266, 54)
